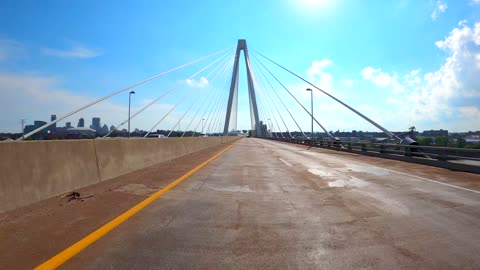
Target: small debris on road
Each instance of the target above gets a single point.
(75, 196)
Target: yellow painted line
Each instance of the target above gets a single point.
(74, 249)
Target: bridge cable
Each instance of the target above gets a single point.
(284, 87)
(264, 88)
(213, 108)
(217, 94)
(271, 98)
(262, 111)
(195, 99)
(267, 111)
(167, 93)
(218, 119)
(217, 113)
(263, 103)
(390, 134)
(278, 111)
(290, 113)
(115, 93)
(182, 99)
(206, 98)
(212, 101)
(217, 105)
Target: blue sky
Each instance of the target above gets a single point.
(401, 62)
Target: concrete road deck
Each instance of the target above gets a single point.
(270, 205)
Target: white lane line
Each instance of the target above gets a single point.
(284, 161)
(434, 181)
(411, 175)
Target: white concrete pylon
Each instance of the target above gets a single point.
(242, 45)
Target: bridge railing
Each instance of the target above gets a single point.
(460, 159)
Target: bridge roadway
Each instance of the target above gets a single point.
(265, 204)
(271, 205)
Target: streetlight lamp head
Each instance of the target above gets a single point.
(132, 92)
(309, 89)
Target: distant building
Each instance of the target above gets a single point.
(112, 128)
(434, 133)
(95, 123)
(103, 130)
(472, 139)
(36, 124)
(81, 123)
(53, 128)
(68, 125)
(83, 131)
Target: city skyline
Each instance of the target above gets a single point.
(421, 71)
(81, 123)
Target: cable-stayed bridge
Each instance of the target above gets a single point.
(288, 197)
(269, 116)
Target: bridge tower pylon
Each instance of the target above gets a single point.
(233, 97)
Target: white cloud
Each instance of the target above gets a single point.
(444, 93)
(394, 101)
(476, 2)
(412, 78)
(318, 76)
(447, 97)
(10, 49)
(441, 7)
(36, 97)
(470, 112)
(201, 83)
(348, 83)
(381, 79)
(74, 52)
(459, 75)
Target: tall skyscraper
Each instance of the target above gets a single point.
(95, 123)
(53, 128)
(81, 122)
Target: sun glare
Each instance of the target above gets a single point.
(313, 5)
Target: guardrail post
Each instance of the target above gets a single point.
(443, 155)
(407, 151)
(364, 147)
(350, 146)
(329, 144)
(382, 148)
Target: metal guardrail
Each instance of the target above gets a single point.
(458, 159)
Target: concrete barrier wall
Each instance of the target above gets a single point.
(32, 171)
(118, 157)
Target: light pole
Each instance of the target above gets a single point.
(311, 99)
(129, 102)
(203, 125)
(269, 123)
